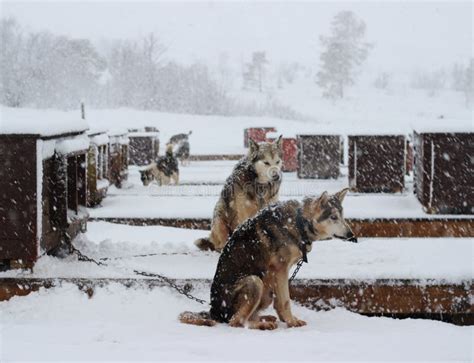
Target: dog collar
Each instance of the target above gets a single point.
(303, 225)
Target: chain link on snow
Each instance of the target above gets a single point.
(298, 266)
(181, 290)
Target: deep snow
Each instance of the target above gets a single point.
(63, 324)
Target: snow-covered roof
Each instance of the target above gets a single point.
(449, 126)
(144, 134)
(44, 123)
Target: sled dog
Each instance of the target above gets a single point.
(182, 153)
(254, 266)
(176, 139)
(164, 171)
(253, 184)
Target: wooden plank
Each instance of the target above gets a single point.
(204, 157)
(383, 297)
(388, 228)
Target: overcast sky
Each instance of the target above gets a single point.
(405, 34)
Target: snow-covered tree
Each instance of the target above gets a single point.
(344, 50)
(254, 72)
(462, 80)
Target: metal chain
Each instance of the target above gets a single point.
(298, 266)
(144, 255)
(182, 290)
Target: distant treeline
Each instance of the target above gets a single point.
(43, 70)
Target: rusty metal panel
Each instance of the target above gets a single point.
(377, 163)
(318, 156)
(18, 204)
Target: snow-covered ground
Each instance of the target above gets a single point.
(441, 259)
(63, 324)
(196, 199)
(138, 324)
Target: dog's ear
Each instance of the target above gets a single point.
(278, 142)
(342, 194)
(253, 147)
(318, 203)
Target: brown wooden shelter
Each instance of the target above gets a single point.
(97, 167)
(377, 163)
(118, 157)
(318, 156)
(144, 147)
(444, 171)
(42, 193)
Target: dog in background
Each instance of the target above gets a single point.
(164, 171)
(176, 139)
(253, 269)
(253, 184)
(181, 143)
(182, 152)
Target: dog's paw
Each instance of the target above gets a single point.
(263, 325)
(295, 323)
(269, 318)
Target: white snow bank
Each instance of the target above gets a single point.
(99, 139)
(120, 324)
(40, 122)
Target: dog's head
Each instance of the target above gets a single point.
(326, 215)
(146, 176)
(266, 159)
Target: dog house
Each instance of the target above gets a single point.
(118, 157)
(444, 171)
(43, 187)
(289, 148)
(318, 156)
(144, 147)
(97, 167)
(377, 163)
(257, 134)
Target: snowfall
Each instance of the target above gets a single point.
(133, 324)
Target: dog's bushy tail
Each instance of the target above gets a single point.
(205, 244)
(202, 319)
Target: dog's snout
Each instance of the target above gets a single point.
(276, 176)
(350, 237)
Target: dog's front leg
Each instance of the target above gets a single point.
(282, 300)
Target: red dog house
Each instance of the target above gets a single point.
(257, 134)
(289, 151)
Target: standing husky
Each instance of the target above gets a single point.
(163, 171)
(254, 266)
(253, 184)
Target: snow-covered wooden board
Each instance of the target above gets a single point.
(441, 259)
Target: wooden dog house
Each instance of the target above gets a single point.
(42, 187)
(97, 167)
(144, 147)
(118, 157)
(444, 171)
(318, 156)
(377, 163)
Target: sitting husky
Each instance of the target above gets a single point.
(253, 184)
(163, 171)
(253, 269)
